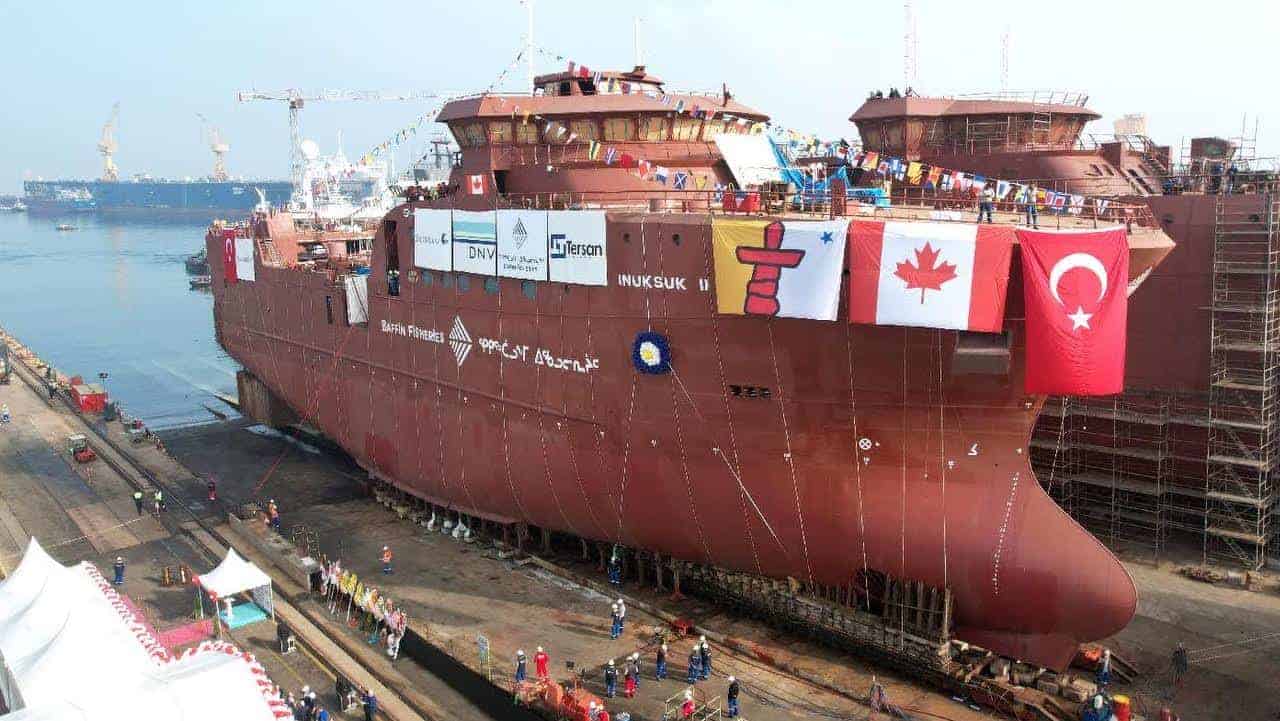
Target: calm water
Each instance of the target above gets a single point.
(113, 296)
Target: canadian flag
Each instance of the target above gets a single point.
(933, 275)
(475, 184)
(229, 255)
(1075, 286)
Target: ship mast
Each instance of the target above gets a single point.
(107, 146)
(528, 41)
(636, 40)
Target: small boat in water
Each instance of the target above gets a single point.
(201, 281)
(198, 263)
(65, 226)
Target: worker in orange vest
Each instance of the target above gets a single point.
(540, 662)
(386, 559)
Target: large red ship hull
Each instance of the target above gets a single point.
(867, 452)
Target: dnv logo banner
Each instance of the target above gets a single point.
(475, 242)
(791, 269)
(522, 244)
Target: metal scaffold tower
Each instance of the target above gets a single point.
(1245, 323)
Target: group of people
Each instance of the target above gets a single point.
(376, 613)
(699, 669)
(157, 501)
(306, 707)
(1028, 201)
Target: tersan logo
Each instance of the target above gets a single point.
(562, 248)
(519, 234)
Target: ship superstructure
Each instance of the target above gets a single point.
(851, 457)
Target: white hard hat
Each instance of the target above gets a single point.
(384, 548)
(119, 559)
(520, 652)
(688, 693)
(591, 705)
(306, 689)
(539, 649)
(620, 602)
(702, 639)
(610, 662)
(732, 679)
(664, 647)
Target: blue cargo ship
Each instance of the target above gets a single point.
(152, 197)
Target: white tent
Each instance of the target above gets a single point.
(72, 649)
(235, 575)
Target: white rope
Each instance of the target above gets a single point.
(786, 432)
(857, 462)
(942, 453)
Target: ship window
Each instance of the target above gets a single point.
(527, 133)
(653, 128)
(550, 132)
(529, 288)
(587, 87)
(619, 129)
(490, 285)
(712, 128)
(328, 308)
(564, 88)
(464, 283)
(426, 278)
(474, 134)
(676, 239)
(446, 280)
(584, 129)
(499, 132)
(685, 129)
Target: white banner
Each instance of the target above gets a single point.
(522, 244)
(433, 238)
(357, 298)
(750, 158)
(577, 247)
(475, 242)
(244, 259)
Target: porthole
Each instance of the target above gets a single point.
(676, 239)
(529, 289)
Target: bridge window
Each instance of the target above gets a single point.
(473, 135)
(499, 132)
(584, 129)
(529, 288)
(686, 129)
(619, 129)
(490, 286)
(712, 128)
(464, 283)
(527, 133)
(651, 129)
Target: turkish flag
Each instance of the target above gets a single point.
(475, 184)
(1075, 286)
(229, 255)
(931, 275)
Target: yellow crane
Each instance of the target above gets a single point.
(220, 148)
(107, 146)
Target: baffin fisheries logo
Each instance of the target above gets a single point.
(519, 234)
(459, 340)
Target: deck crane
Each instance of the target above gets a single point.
(107, 146)
(219, 147)
(297, 99)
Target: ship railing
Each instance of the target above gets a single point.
(1077, 98)
(905, 203)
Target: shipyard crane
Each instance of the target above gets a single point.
(219, 147)
(297, 99)
(107, 146)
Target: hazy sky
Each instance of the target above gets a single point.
(807, 64)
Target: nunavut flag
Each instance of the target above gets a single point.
(932, 275)
(1075, 287)
(789, 269)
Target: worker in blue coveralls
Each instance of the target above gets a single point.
(660, 665)
(732, 695)
(615, 570)
(610, 680)
(118, 566)
(695, 665)
(704, 654)
(616, 629)
(521, 667)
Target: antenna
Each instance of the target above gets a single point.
(636, 40)
(528, 41)
(1004, 59)
(910, 46)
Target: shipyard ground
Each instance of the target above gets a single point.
(456, 591)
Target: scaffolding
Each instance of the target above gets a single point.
(1245, 327)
